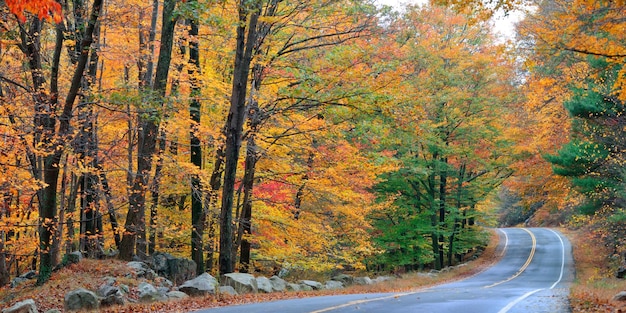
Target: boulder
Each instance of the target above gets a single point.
(363, 280)
(347, 280)
(621, 272)
(178, 270)
(293, 287)
(228, 290)
(81, 299)
(110, 295)
(29, 275)
(148, 293)
(278, 284)
(264, 284)
(53, 311)
(175, 294)
(17, 281)
(333, 285)
(382, 279)
(141, 270)
(199, 286)
(73, 257)
(26, 306)
(313, 284)
(242, 282)
(621, 296)
(304, 287)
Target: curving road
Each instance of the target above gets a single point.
(532, 276)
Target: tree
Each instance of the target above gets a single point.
(146, 146)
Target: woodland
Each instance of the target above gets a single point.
(318, 135)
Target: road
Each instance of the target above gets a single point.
(533, 276)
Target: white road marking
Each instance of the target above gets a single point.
(526, 295)
(562, 259)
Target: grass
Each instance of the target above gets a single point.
(595, 283)
(90, 274)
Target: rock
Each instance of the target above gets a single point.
(175, 294)
(278, 284)
(333, 285)
(26, 306)
(264, 284)
(17, 281)
(176, 269)
(81, 299)
(347, 280)
(73, 257)
(313, 284)
(199, 286)
(148, 293)
(363, 281)
(621, 272)
(53, 311)
(29, 275)
(283, 272)
(110, 295)
(305, 287)
(294, 287)
(229, 290)
(242, 282)
(621, 296)
(124, 288)
(163, 282)
(427, 275)
(382, 279)
(141, 270)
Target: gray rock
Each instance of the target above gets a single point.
(264, 284)
(333, 285)
(427, 275)
(305, 287)
(347, 280)
(81, 299)
(110, 295)
(54, 311)
(148, 293)
(199, 286)
(163, 282)
(278, 284)
(294, 287)
(29, 275)
(621, 296)
(176, 269)
(124, 289)
(229, 290)
(313, 284)
(175, 294)
(17, 281)
(363, 280)
(26, 306)
(141, 270)
(73, 257)
(621, 272)
(283, 272)
(382, 279)
(242, 282)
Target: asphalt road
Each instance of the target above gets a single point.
(533, 276)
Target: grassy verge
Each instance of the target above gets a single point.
(595, 282)
(89, 274)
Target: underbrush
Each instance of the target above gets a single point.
(595, 283)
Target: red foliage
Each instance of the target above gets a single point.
(44, 9)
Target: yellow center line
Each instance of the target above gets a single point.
(332, 308)
(523, 268)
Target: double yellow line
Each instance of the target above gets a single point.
(523, 268)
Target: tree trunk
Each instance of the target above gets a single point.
(234, 128)
(457, 221)
(146, 146)
(198, 215)
(443, 180)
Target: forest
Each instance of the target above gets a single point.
(319, 135)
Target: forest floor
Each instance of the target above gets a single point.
(89, 274)
(595, 283)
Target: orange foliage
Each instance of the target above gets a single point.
(44, 9)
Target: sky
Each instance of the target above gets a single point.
(503, 25)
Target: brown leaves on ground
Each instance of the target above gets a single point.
(90, 274)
